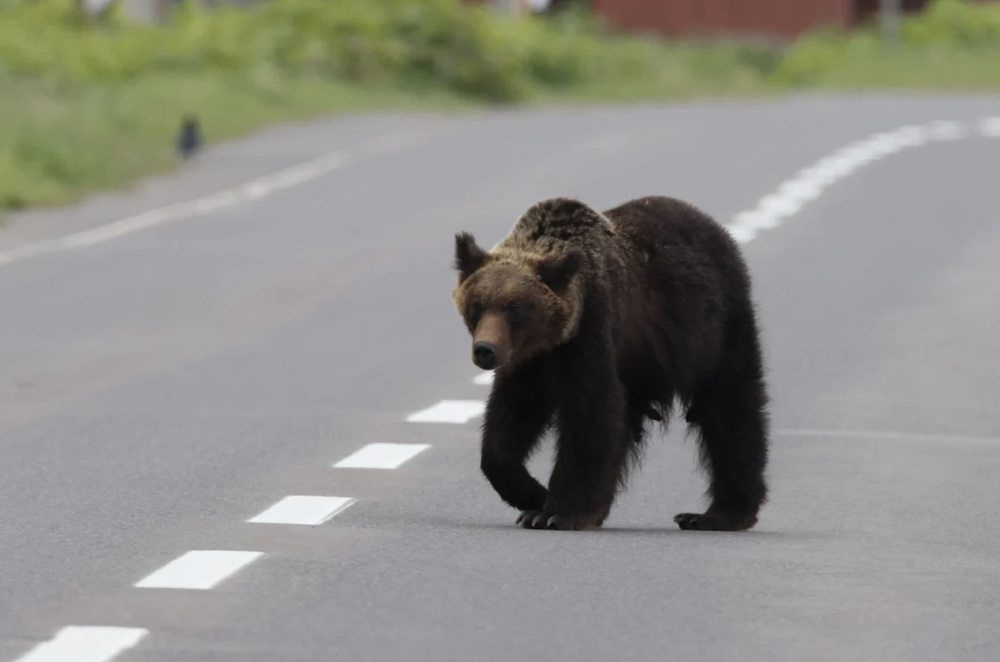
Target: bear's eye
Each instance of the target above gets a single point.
(513, 307)
(475, 309)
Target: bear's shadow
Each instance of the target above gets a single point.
(617, 531)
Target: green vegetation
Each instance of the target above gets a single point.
(951, 45)
(86, 105)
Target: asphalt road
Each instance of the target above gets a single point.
(160, 389)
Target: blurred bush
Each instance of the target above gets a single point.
(951, 44)
(465, 48)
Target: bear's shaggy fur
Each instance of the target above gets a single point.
(594, 322)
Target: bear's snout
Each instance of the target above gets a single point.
(491, 342)
(484, 355)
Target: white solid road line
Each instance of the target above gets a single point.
(308, 510)
(791, 196)
(198, 569)
(884, 434)
(252, 190)
(381, 456)
(449, 411)
(84, 643)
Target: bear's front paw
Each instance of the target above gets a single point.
(713, 522)
(540, 519)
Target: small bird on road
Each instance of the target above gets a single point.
(189, 138)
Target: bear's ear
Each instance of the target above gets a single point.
(468, 255)
(556, 271)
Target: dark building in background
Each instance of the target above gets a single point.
(782, 19)
(771, 18)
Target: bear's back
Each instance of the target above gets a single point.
(553, 225)
(664, 221)
(678, 250)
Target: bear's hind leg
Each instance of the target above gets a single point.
(729, 412)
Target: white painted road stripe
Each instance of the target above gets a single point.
(226, 198)
(990, 127)
(449, 411)
(381, 456)
(946, 130)
(252, 190)
(883, 434)
(809, 183)
(80, 643)
(198, 569)
(310, 510)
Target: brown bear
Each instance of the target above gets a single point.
(595, 321)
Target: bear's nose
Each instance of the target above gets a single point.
(484, 354)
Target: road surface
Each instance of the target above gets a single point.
(164, 386)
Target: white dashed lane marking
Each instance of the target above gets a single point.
(381, 456)
(308, 510)
(989, 127)
(945, 130)
(449, 411)
(198, 569)
(80, 643)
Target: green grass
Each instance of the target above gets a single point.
(56, 145)
(952, 45)
(90, 107)
(938, 71)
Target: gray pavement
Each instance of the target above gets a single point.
(158, 390)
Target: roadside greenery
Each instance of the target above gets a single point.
(94, 104)
(951, 45)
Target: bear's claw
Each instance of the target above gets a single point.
(536, 519)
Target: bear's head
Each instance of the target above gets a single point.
(515, 305)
